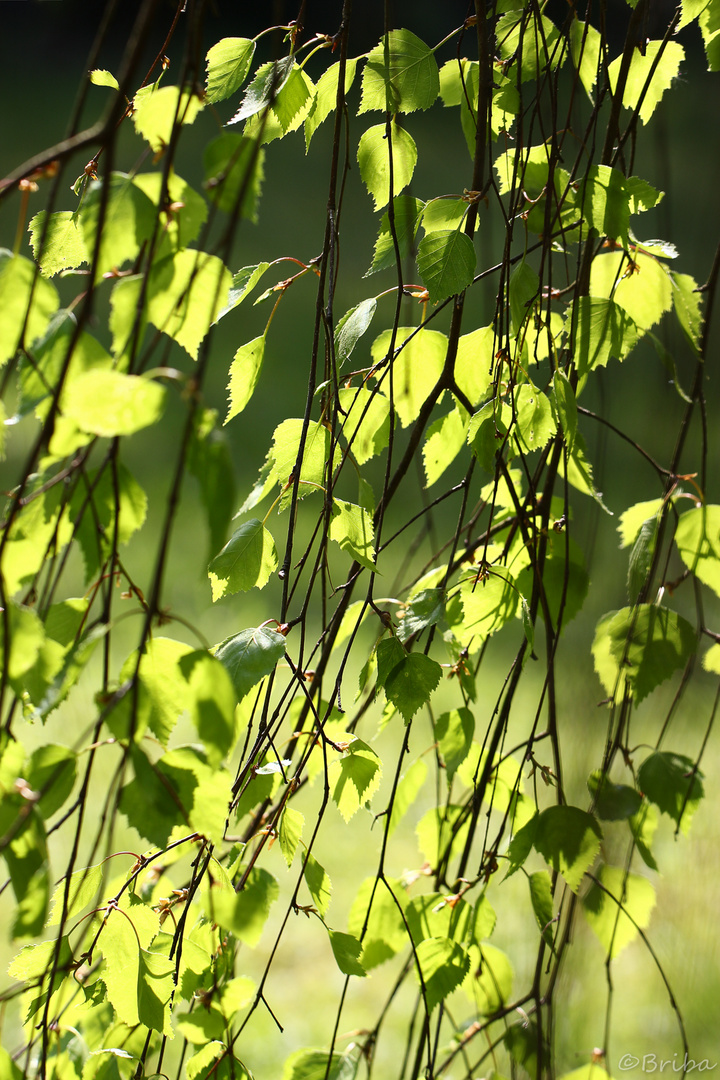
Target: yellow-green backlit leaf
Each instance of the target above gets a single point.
(619, 908)
(352, 528)
(228, 63)
(247, 561)
(108, 403)
(374, 161)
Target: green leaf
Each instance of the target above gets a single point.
(580, 472)
(439, 834)
(424, 609)
(400, 75)
(179, 788)
(444, 965)
(688, 307)
(161, 692)
(367, 422)
(565, 577)
(228, 63)
(566, 406)
(209, 461)
(294, 100)
(352, 528)
(531, 43)
(710, 28)
(711, 659)
(453, 733)
(249, 656)
(27, 637)
(245, 913)
(542, 903)
(446, 261)
(615, 918)
(613, 802)
(535, 424)
(120, 226)
(638, 648)
(374, 160)
(633, 519)
(474, 363)
(150, 802)
(18, 282)
(182, 221)
(487, 430)
(643, 826)
(81, 890)
(139, 983)
(247, 561)
(668, 54)
(489, 981)
(609, 198)
(263, 90)
(524, 1040)
(283, 457)
(36, 961)
(459, 85)
(410, 684)
(242, 285)
(487, 605)
(442, 214)
(325, 98)
(290, 831)
(642, 288)
(381, 926)
(351, 328)
(698, 540)
(99, 503)
(156, 115)
(61, 351)
(211, 703)
(186, 294)
(62, 623)
(407, 791)
(50, 771)
(354, 778)
(417, 366)
(204, 1062)
(104, 78)
(641, 558)
(59, 245)
(445, 439)
(434, 915)
(156, 983)
(346, 950)
(234, 174)
(318, 883)
(568, 839)
(108, 403)
(604, 330)
(319, 1065)
(585, 43)
(674, 784)
(407, 212)
(524, 292)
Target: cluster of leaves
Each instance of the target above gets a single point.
(121, 961)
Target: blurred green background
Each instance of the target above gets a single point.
(43, 50)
